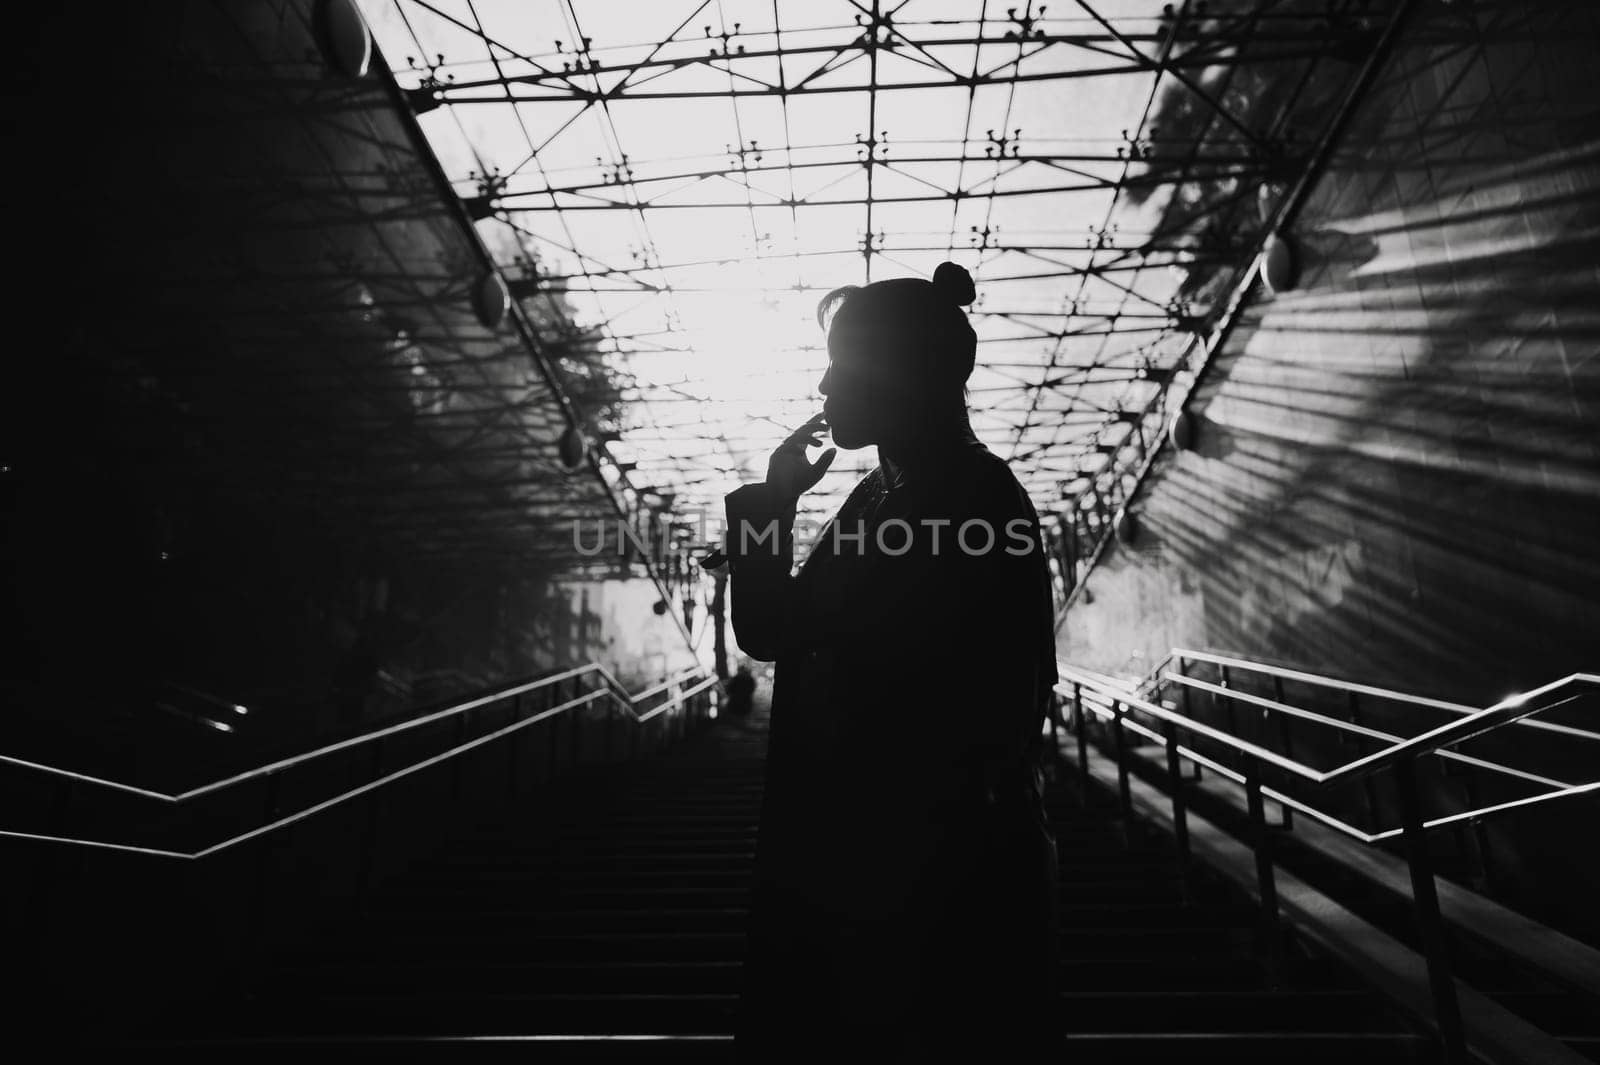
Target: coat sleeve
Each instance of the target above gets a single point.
(760, 550)
(772, 612)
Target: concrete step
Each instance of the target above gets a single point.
(1333, 1047)
(422, 979)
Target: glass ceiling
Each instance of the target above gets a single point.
(693, 176)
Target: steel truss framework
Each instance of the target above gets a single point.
(679, 170)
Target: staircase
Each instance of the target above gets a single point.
(613, 930)
(1155, 969)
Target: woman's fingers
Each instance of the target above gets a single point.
(809, 434)
(788, 469)
(821, 467)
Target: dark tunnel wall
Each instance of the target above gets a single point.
(1396, 477)
(218, 471)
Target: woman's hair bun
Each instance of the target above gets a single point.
(953, 284)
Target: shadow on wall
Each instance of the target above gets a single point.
(1397, 471)
(1396, 465)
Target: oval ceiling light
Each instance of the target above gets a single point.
(343, 35)
(1127, 527)
(1181, 431)
(1280, 269)
(490, 299)
(572, 447)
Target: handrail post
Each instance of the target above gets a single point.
(1369, 789)
(1124, 794)
(1472, 842)
(1479, 835)
(1229, 710)
(511, 749)
(255, 937)
(369, 836)
(1288, 744)
(455, 763)
(1082, 727)
(575, 730)
(1266, 882)
(609, 731)
(35, 919)
(1446, 1008)
(553, 750)
(1183, 696)
(1180, 813)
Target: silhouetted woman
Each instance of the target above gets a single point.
(904, 896)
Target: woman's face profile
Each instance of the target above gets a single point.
(866, 402)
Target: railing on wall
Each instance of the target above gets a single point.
(610, 689)
(1140, 709)
(223, 871)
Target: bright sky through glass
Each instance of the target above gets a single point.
(697, 195)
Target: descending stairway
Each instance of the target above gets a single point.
(1533, 995)
(614, 930)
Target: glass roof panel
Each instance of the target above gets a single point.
(693, 176)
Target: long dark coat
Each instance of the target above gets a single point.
(905, 886)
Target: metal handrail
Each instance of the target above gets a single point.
(1283, 799)
(1107, 698)
(1502, 713)
(1350, 726)
(669, 682)
(1321, 681)
(626, 701)
(1506, 712)
(612, 690)
(1189, 724)
(1103, 709)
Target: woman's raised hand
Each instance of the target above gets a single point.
(789, 473)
